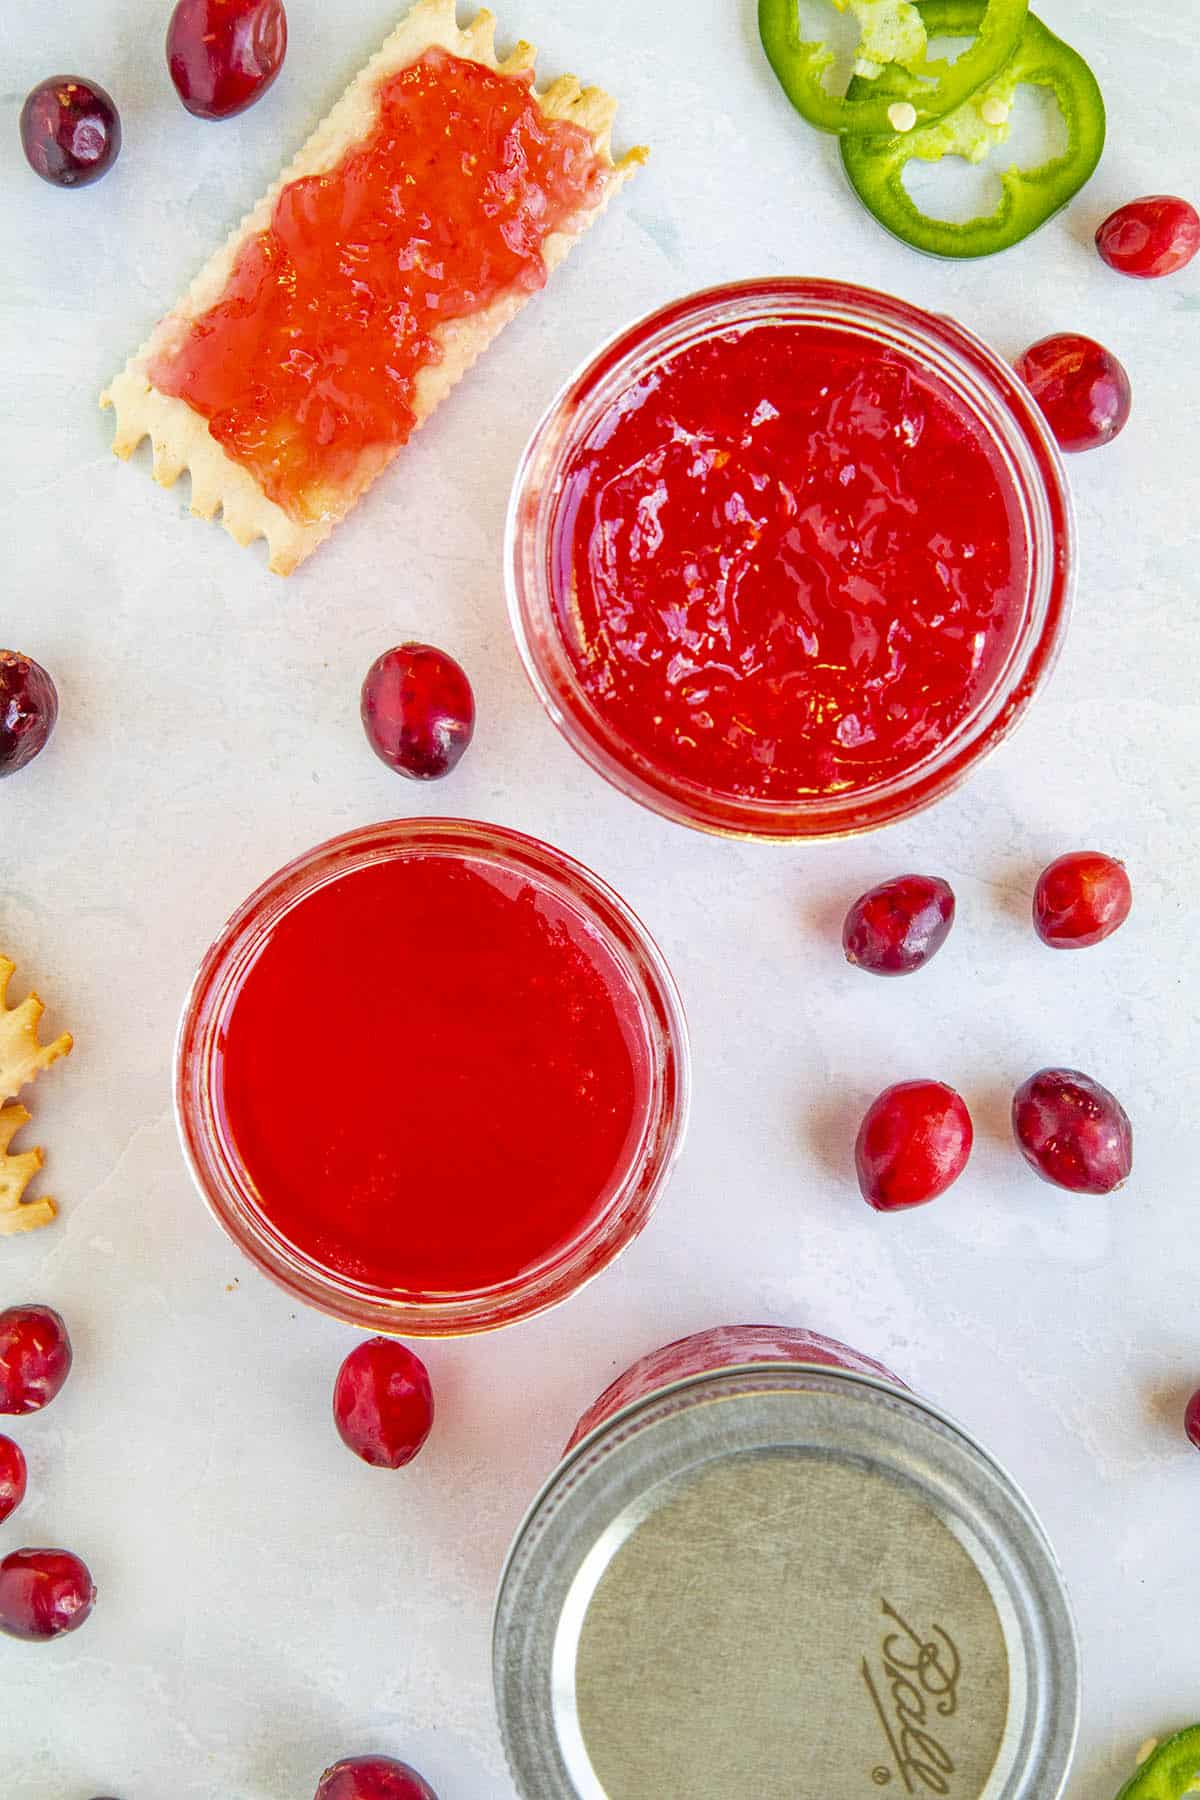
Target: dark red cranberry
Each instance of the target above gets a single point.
(373, 1778)
(383, 1403)
(1191, 1419)
(1080, 386)
(1080, 900)
(1148, 238)
(13, 1478)
(70, 131)
(896, 927)
(44, 1593)
(224, 54)
(1072, 1131)
(28, 710)
(418, 711)
(35, 1358)
(913, 1144)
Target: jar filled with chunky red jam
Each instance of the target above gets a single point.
(432, 1076)
(788, 558)
(765, 1567)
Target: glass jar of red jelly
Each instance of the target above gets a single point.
(765, 1567)
(789, 557)
(432, 1076)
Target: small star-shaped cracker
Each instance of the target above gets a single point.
(22, 1057)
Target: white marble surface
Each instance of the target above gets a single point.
(267, 1604)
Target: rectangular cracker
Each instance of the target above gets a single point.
(180, 436)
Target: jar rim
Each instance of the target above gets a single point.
(998, 402)
(621, 1212)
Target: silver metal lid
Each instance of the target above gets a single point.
(779, 1581)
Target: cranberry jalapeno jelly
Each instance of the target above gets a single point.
(767, 1568)
(788, 557)
(310, 357)
(432, 1076)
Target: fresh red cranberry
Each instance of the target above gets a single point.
(28, 710)
(896, 927)
(913, 1144)
(224, 54)
(1080, 386)
(70, 131)
(1191, 1419)
(1080, 900)
(13, 1478)
(418, 711)
(1148, 238)
(373, 1778)
(1072, 1131)
(383, 1403)
(35, 1358)
(44, 1593)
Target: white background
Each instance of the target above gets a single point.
(267, 1603)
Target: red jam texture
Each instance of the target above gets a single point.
(432, 1075)
(786, 564)
(305, 367)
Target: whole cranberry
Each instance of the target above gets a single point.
(1072, 1131)
(418, 711)
(896, 927)
(1191, 1419)
(383, 1403)
(1080, 900)
(913, 1144)
(70, 131)
(224, 54)
(1080, 386)
(1148, 238)
(28, 710)
(373, 1778)
(35, 1358)
(44, 1593)
(13, 1478)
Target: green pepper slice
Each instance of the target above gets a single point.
(1170, 1772)
(893, 36)
(976, 128)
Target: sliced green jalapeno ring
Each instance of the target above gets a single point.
(974, 131)
(1169, 1772)
(894, 38)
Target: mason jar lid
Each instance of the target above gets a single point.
(776, 1581)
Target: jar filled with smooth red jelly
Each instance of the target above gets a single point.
(789, 557)
(764, 1566)
(432, 1076)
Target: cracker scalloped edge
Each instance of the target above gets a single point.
(180, 437)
